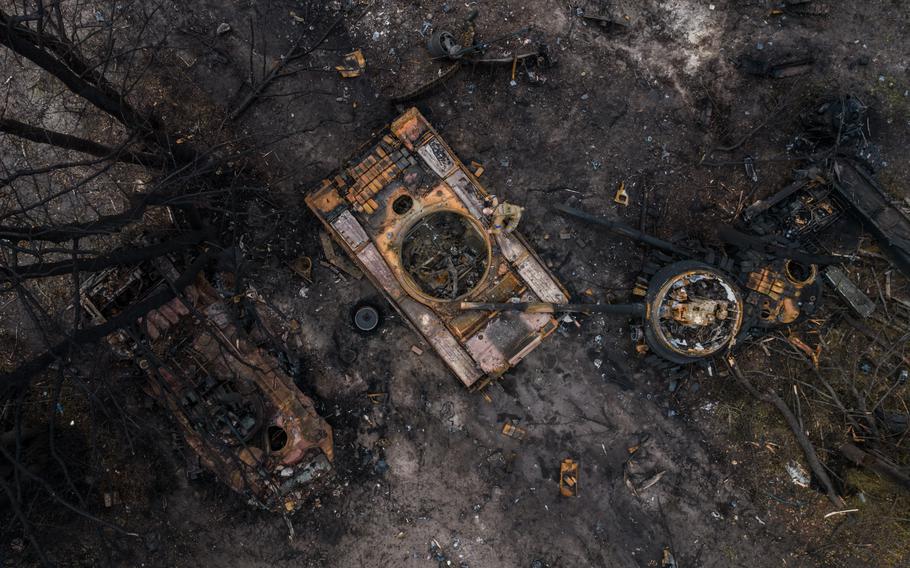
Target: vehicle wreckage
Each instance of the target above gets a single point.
(214, 363)
(699, 301)
(450, 51)
(391, 207)
(420, 225)
(443, 251)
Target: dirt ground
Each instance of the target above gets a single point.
(426, 478)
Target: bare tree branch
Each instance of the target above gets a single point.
(70, 142)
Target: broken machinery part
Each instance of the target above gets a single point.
(812, 354)
(512, 431)
(366, 317)
(837, 278)
(876, 210)
(328, 249)
(782, 291)
(695, 312)
(353, 65)
(303, 267)
(442, 44)
(445, 46)
(621, 197)
(568, 478)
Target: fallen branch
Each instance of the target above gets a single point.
(876, 464)
(774, 399)
(120, 257)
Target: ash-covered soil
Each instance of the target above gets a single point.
(425, 477)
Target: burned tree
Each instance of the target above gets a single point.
(66, 207)
(93, 180)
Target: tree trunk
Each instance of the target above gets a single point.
(861, 458)
(69, 142)
(119, 257)
(29, 45)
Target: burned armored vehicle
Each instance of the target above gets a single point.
(834, 197)
(214, 363)
(421, 226)
(769, 269)
(697, 301)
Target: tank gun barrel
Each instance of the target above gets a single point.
(548, 308)
(623, 229)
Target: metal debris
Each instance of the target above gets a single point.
(237, 408)
(568, 478)
(445, 254)
(849, 292)
(340, 262)
(621, 196)
(460, 49)
(353, 65)
(512, 431)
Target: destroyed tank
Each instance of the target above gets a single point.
(238, 409)
(767, 273)
(698, 302)
(418, 223)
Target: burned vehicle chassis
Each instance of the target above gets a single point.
(774, 258)
(223, 381)
(417, 222)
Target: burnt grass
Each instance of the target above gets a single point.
(424, 477)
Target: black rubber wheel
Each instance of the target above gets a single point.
(366, 318)
(442, 44)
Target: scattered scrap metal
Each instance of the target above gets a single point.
(445, 253)
(457, 51)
